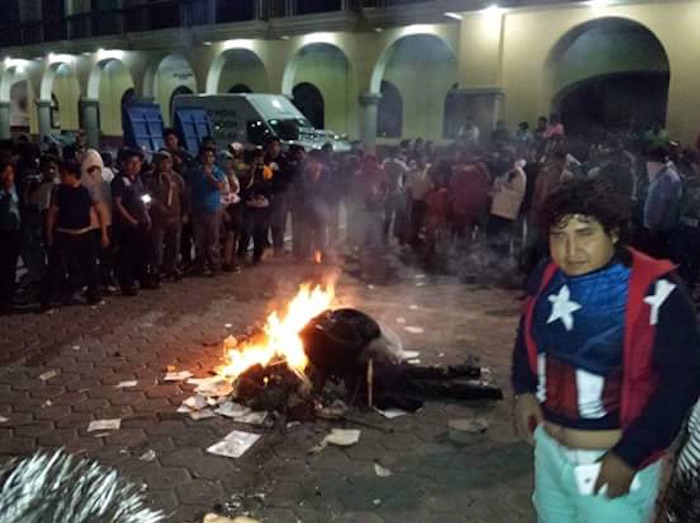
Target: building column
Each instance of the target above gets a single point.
(481, 94)
(368, 124)
(43, 112)
(5, 123)
(90, 117)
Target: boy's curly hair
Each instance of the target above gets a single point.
(592, 197)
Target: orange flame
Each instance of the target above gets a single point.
(280, 337)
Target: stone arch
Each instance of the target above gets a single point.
(240, 88)
(390, 112)
(165, 76)
(60, 79)
(423, 67)
(109, 80)
(17, 90)
(237, 66)
(328, 68)
(309, 100)
(617, 65)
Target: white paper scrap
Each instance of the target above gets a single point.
(149, 455)
(126, 384)
(419, 276)
(413, 307)
(421, 284)
(415, 361)
(231, 409)
(235, 444)
(252, 418)
(182, 409)
(409, 354)
(392, 413)
(414, 330)
(178, 376)
(202, 414)
(382, 472)
(343, 437)
(195, 402)
(401, 320)
(3, 419)
(105, 424)
(46, 376)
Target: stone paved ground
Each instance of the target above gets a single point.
(485, 478)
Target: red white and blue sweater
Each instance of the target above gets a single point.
(616, 348)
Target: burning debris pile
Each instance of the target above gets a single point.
(279, 372)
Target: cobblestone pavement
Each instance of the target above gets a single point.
(484, 477)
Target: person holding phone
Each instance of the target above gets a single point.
(606, 364)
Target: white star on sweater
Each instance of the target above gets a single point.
(662, 291)
(563, 308)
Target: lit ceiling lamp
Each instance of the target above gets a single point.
(110, 54)
(456, 16)
(598, 3)
(239, 43)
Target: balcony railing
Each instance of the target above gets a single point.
(165, 14)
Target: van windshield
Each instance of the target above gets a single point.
(289, 128)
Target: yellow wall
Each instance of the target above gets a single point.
(172, 73)
(243, 67)
(114, 82)
(423, 71)
(67, 91)
(328, 69)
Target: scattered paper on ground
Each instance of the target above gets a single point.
(413, 307)
(235, 444)
(149, 455)
(392, 413)
(409, 354)
(46, 376)
(401, 320)
(382, 472)
(105, 424)
(215, 518)
(202, 414)
(419, 276)
(420, 284)
(470, 425)
(212, 386)
(196, 402)
(414, 330)
(178, 376)
(3, 419)
(126, 384)
(414, 361)
(231, 409)
(338, 437)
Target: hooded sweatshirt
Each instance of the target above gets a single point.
(96, 184)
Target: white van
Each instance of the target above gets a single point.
(250, 118)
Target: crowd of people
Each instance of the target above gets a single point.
(586, 377)
(80, 220)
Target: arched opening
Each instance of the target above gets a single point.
(111, 82)
(173, 72)
(237, 67)
(309, 101)
(423, 67)
(19, 107)
(607, 72)
(64, 93)
(328, 69)
(451, 121)
(390, 112)
(240, 88)
(180, 90)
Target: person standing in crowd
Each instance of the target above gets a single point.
(316, 187)
(418, 184)
(132, 225)
(255, 195)
(469, 133)
(231, 213)
(276, 162)
(92, 178)
(615, 167)
(395, 170)
(295, 168)
(554, 128)
(661, 204)
(69, 226)
(181, 158)
(606, 364)
(468, 195)
(370, 188)
(10, 235)
(207, 182)
(167, 207)
(508, 194)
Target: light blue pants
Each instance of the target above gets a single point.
(557, 499)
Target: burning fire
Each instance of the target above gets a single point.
(318, 257)
(280, 339)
